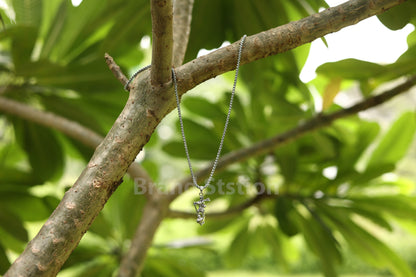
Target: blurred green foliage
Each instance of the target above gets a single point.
(51, 58)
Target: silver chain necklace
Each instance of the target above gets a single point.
(200, 204)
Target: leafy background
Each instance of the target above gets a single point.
(51, 58)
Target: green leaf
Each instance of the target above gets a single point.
(12, 224)
(396, 205)
(27, 206)
(169, 266)
(204, 108)
(28, 12)
(397, 17)
(351, 69)
(77, 20)
(283, 211)
(122, 212)
(395, 143)
(43, 149)
(23, 40)
(54, 28)
(4, 260)
(15, 176)
(103, 266)
(87, 251)
(239, 247)
(351, 152)
(321, 241)
(368, 246)
(202, 142)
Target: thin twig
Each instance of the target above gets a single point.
(113, 66)
(162, 42)
(316, 122)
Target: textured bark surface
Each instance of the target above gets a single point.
(146, 106)
(162, 14)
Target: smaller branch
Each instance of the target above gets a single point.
(162, 41)
(319, 121)
(115, 69)
(153, 214)
(182, 17)
(232, 211)
(51, 120)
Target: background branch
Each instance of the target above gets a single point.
(319, 121)
(182, 17)
(71, 129)
(162, 41)
(235, 210)
(154, 212)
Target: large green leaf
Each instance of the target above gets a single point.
(239, 247)
(12, 224)
(26, 206)
(28, 12)
(395, 143)
(169, 266)
(23, 40)
(367, 246)
(320, 240)
(351, 152)
(283, 212)
(4, 260)
(351, 69)
(202, 142)
(396, 205)
(103, 266)
(44, 151)
(397, 17)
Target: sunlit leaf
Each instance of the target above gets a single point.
(395, 143)
(330, 92)
(397, 17)
(351, 69)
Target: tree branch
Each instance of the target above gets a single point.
(182, 17)
(279, 40)
(317, 122)
(162, 41)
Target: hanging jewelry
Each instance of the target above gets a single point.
(200, 204)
